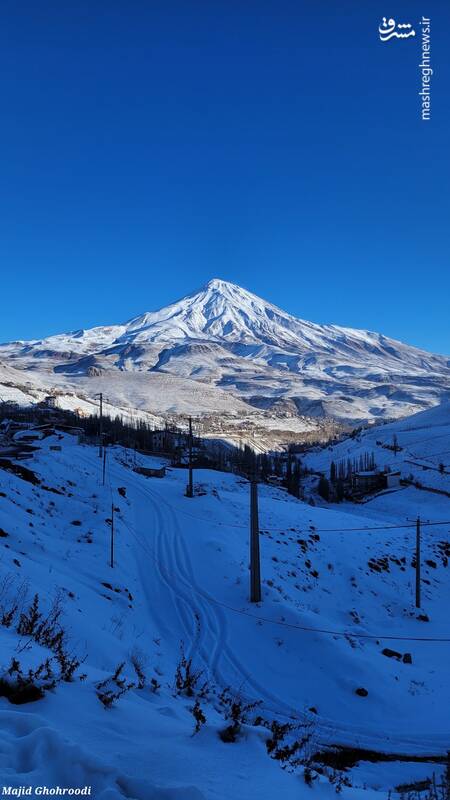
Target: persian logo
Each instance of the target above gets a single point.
(389, 29)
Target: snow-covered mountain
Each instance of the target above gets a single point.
(241, 350)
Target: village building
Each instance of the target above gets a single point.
(368, 481)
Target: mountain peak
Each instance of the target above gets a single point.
(218, 283)
(225, 336)
(219, 310)
(226, 288)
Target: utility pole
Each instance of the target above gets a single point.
(100, 427)
(190, 486)
(255, 569)
(104, 465)
(112, 536)
(418, 562)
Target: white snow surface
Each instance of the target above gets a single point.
(181, 575)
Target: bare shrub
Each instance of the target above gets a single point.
(113, 688)
(187, 678)
(139, 663)
(68, 665)
(45, 630)
(21, 687)
(11, 600)
(199, 716)
(236, 710)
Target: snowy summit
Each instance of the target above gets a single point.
(248, 349)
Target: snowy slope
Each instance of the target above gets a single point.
(229, 341)
(421, 454)
(181, 574)
(30, 387)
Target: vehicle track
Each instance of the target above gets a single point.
(212, 619)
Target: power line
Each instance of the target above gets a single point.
(379, 527)
(313, 529)
(346, 634)
(304, 628)
(217, 523)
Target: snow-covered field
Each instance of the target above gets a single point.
(338, 588)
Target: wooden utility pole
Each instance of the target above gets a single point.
(255, 569)
(190, 486)
(100, 427)
(418, 562)
(112, 536)
(104, 465)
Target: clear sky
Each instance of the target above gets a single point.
(150, 145)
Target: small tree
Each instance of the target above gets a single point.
(340, 491)
(324, 488)
(395, 446)
(446, 780)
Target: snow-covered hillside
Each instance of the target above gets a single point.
(311, 652)
(417, 447)
(242, 352)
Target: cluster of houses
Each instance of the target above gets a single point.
(353, 480)
(360, 477)
(374, 480)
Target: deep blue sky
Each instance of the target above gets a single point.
(149, 146)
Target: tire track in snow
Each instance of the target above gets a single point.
(181, 600)
(213, 618)
(158, 598)
(203, 608)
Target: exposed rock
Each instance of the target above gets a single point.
(392, 653)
